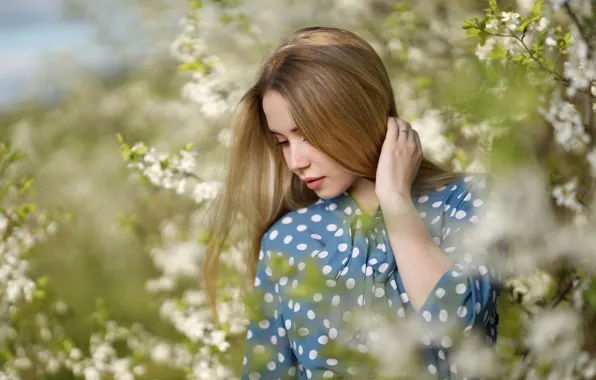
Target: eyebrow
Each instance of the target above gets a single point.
(277, 133)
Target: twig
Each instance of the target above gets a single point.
(552, 71)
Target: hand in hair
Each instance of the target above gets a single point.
(399, 161)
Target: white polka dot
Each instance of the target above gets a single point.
(317, 297)
(442, 355)
(332, 333)
(259, 349)
(281, 331)
(288, 324)
(330, 283)
(362, 348)
(383, 267)
(268, 297)
(423, 199)
(273, 340)
(474, 219)
(296, 306)
(404, 297)
(460, 214)
(440, 292)
(327, 269)
(288, 239)
(323, 254)
(273, 234)
(335, 300)
(432, 369)
(254, 376)
(271, 366)
(313, 354)
(461, 288)
(339, 232)
(328, 374)
(280, 357)
(360, 300)
(331, 227)
(332, 206)
(300, 349)
(462, 311)
(400, 312)
(316, 236)
(379, 292)
(286, 220)
(369, 271)
(264, 324)
(437, 204)
(301, 228)
(443, 315)
(436, 219)
(348, 210)
(316, 218)
(311, 314)
(350, 283)
(301, 247)
(283, 281)
(352, 371)
(468, 197)
(478, 202)
(355, 252)
(342, 247)
(446, 341)
(483, 270)
(323, 339)
(269, 271)
(427, 315)
(332, 361)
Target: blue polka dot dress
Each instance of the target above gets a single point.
(351, 268)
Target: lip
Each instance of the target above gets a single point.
(310, 179)
(315, 184)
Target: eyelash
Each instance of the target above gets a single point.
(281, 143)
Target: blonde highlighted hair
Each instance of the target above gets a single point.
(339, 95)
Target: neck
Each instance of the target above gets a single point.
(363, 193)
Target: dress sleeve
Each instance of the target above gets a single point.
(267, 354)
(465, 297)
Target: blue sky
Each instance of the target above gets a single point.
(29, 31)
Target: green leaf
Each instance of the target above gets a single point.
(125, 152)
(498, 52)
(538, 9)
(493, 5)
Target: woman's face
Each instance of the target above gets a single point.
(303, 159)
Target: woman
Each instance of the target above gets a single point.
(324, 172)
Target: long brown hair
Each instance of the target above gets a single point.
(339, 95)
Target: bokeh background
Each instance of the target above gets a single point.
(115, 119)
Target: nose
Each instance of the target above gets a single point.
(297, 158)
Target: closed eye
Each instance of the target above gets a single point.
(280, 143)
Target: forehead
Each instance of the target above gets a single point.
(279, 119)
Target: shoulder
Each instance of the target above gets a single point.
(460, 199)
(294, 229)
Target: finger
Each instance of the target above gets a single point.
(391, 135)
(417, 138)
(402, 126)
(411, 133)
